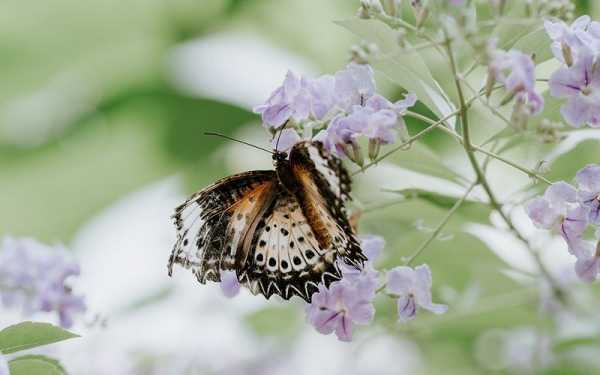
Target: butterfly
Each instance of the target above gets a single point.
(282, 231)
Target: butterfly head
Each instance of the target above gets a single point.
(279, 157)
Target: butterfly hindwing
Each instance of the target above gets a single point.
(286, 258)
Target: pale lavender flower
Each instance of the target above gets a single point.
(580, 85)
(516, 71)
(559, 210)
(230, 285)
(337, 308)
(568, 41)
(290, 100)
(285, 139)
(378, 102)
(3, 366)
(372, 246)
(323, 97)
(354, 85)
(413, 289)
(587, 266)
(588, 181)
(340, 136)
(35, 277)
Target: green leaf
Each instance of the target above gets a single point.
(29, 335)
(535, 43)
(405, 67)
(577, 342)
(35, 365)
(437, 199)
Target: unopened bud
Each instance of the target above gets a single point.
(489, 84)
(519, 116)
(357, 155)
(421, 17)
(374, 147)
(509, 96)
(363, 13)
(392, 7)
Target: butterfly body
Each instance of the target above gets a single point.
(282, 231)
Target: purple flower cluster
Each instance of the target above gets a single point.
(578, 80)
(34, 276)
(344, 106)
(516, 71)
(569, 211)
(350, 300)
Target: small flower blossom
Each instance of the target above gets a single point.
(580, 85)
(568, 41)
(558, 210)
(372, 246)
(516, 71)
(413, 289)
(588, 181)
(587, 266)
(336, 308)
(34, 276)
(285, 139)
(290, 100)
(354, 85)
(230, 285)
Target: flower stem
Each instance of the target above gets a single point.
(481, 178)
(441, 225)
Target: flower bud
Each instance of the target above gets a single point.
(357, 155)
(509, 96)
(392, 7)
(421, 17)
(489, 84)
(374, 147)
(519, 116)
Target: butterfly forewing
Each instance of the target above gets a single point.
(210, 229)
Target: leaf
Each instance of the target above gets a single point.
(29, 335)
(437, 199)
(35, 365)
(535, 43)
(405, 67)
(577, 342)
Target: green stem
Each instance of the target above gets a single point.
(481, 178)
(441, 225)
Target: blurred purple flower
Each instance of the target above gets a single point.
(558, 210)
(372, 246)
(337, 308)
(516, 71)
(35, 277)
(567, 41)
(588, 181)
(580, 85)
(587, 266)
(289, 137)
(413, 289)
(290, 100)
(378, 102)
(323, 96)
(230, 285)
(3, 366)
(354, 86)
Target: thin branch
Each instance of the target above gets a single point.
(441, 225)
(481, 178)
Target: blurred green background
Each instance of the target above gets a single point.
(97, 101)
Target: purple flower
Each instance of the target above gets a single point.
(230, 285)
(413, 289)
(580, 85)
(337, 308)
(568, 41)
(558, 210)
(285, 139)
(587, 266)
(340, 136)
(3, 366)
(323, 97)
(354, 85)
(35, 276)
(516, 71)
(588, 181)
(290, 100)
(378, 102)
(372, 246)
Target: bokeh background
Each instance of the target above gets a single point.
(103, 106)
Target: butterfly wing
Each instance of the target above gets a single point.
(324, 190)
(213, 224)
(287, 258)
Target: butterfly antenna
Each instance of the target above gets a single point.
(237, 140)
(279, 137)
